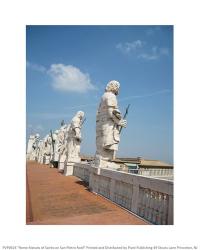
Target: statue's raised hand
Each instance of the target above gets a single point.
(122, 123)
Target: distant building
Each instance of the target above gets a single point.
(138, 165)
(154, 168)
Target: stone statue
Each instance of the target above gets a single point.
(62, 123)
(108, 123)
(39, 149)
(73, 143)
(41, 152)
(54, 151)
(29, 147)
(47, 149)
(62, 144)
(33, 146)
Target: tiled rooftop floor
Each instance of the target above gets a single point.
(54, 199)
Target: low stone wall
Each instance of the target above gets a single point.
(81, 170)
(156, 172)
(150, 198)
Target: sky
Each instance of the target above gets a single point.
(68, 67)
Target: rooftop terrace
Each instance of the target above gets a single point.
(54, 199)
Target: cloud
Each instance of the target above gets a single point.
(152, 30)
(154, 54)
(141, 50)
(129, 47)
(164, 51)
(66, 78)
(69, 78)
(35, 67)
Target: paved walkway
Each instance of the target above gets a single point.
(54, 199)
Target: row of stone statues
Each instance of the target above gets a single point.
(61, 148)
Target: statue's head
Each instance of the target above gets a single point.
(37, 136)
(56, 132)
(113, 86)
(62, 123)
(49, 139)
(80, 114)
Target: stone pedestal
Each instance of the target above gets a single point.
(28, 156)
(40, 160)
(61, 166)
(55, 157)
(47, 159)
(32, 157)
(61, 162)
(51, 164)
(100, 163)
(69, 165)
(68, 169)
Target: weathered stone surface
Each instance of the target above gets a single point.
(29, 147)
(73, 143)
(32, 149)
(47, 149)
(147, 197)
(108, 123)
(55, 152)
(62, 145)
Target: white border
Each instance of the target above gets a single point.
(14, 16)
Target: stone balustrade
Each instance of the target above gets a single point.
(150, 198)
(81, 170)
(156, 172)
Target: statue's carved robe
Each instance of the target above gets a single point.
(73, 144)
(34, 148)
(48, 146)
(62, 138)
(107, 133)
(62, 145)
(55, 154)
